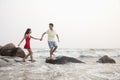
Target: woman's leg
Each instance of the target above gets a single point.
(26, 57)
(29, 54)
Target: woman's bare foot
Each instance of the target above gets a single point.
(24, 60)
(32, 60)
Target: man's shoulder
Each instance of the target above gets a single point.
(47, 30)
(51, 31)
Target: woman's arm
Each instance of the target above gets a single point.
(35, 38)
(21, 41)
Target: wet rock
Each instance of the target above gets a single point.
(63, 60)
(106, 59)
(7, 49)
(3, 62)
(18, 59)
(18, 52)
(0, 46)
(86, 56)
(4, 59)
(11, 60)
(11, 50)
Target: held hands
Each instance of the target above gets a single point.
(41, 39)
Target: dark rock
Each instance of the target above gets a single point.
(86, 56)
(62, 60)
(0, 46)
(18, 52)
(106, 59)
(11, 50)
(7, 49)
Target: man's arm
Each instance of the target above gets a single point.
(58, 37)
(42, 36)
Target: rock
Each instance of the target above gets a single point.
(3, 63)
(9, 46)
(18, 59)
(7, 49)
(0, 46)
(86, 56)
(63, 60)
(11, 50)
(5, 59)
(11, 60)
(106, 59)
(18, 52)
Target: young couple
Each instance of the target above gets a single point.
(51, 41)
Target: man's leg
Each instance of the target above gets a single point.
(54, 49)
(51, 52)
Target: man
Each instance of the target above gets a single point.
(51, 39)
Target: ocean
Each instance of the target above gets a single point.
(40, 70)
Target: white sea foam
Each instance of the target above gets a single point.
(71, 71)
(81, 52)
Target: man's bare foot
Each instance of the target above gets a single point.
(51, 58)
(53, 55)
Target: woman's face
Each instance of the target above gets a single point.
(30, 32)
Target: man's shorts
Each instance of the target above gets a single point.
(52, 44)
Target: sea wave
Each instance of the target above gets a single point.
(88, 53)
(40, 70)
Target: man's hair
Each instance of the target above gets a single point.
(51, 24)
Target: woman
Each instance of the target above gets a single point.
(27, 38)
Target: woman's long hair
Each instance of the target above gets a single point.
(28, 31)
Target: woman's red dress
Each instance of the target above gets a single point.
(27, 45)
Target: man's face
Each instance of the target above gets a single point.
(51, 27)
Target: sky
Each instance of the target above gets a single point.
(79, 23)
